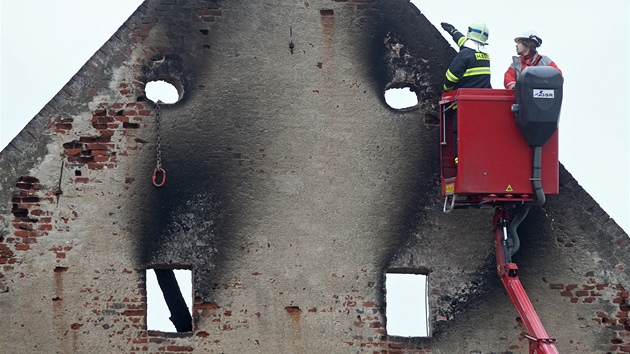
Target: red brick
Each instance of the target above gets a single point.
(106, 133)
(133, 313)
(206, 306)
(63, 126)
(97, 146)
(24, 233)
(95, 166)
(393, 345)
(22, 247)
(101, 158)
(179, 348)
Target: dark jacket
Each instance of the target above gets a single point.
(469, 68)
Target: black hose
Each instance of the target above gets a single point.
(516, 242)
(537, 176)
(539, 199)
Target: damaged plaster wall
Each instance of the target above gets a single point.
(291, 189)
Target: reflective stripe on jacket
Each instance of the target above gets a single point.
(470, 68)
(519, 64)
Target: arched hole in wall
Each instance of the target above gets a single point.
(164, 287)
(160, 90)
(407, 307)
(401, 98)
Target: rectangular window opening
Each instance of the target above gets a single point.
(169, 300)
(407, 304)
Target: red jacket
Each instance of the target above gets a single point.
(519, 64)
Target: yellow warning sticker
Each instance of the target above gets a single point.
(509, 188)
(450, 188)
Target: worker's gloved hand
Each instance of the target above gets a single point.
(448, 27)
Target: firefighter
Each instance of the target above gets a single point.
(526, 44)
(471, 66)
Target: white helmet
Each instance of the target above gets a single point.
(530, 35)
(478, 32)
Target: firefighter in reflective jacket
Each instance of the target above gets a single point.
(471, 66)
(526, 44)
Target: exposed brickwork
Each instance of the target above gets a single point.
(31, 221)
(593, 291)
(104, 138)
(114, 135)
(114, 128)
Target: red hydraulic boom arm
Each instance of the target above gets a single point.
(539, 341)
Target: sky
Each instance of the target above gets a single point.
(43, 43)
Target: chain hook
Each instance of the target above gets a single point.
(154, 178)
(158, 165)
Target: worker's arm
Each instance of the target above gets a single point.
(509, 79)
(458, 37)
(553, 64)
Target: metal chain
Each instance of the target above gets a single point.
(159, 171)
(159, 136)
